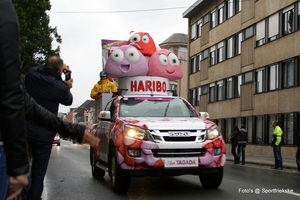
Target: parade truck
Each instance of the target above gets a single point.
(147, 131)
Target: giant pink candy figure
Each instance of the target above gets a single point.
(126, 61)
(165, 64)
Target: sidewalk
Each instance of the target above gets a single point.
(288, 163)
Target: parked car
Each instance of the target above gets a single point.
(56, 140)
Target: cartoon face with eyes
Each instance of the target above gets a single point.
(126, 61)
(143, 42)
(165, 64)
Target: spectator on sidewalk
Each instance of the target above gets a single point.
(242, 142)
(276, 144)
(298, 154)
(234, 142)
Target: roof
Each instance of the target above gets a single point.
(194, 9)
(85, 106)
(176, 38)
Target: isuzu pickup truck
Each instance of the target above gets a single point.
(146, 131)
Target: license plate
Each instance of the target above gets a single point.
(180, 162)
(179, 133)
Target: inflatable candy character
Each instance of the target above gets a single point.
(165, 64)
(126, 61)
(143, 42)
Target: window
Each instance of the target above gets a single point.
(206, 19)
(220, 87)
(229, 5)
(205, 54)
(229, 88)
(273, 27)
(199, 26)
(221, 13)
(238, 5)
(259, 130)
(193, 32)
(229, 47)
(199, 61)
(193, 96)
(273, 77)
(237, 86)
(248, 32)
(288, 121)
(212, 97)
(193, 65)
(249, 128)
(198, 96)
(271, 129)
(213, 55)
(260, 81)
(288, 20)
(229, 125)
(260, 33)
(213, 18)
(204, 89)
(220, 52)
(238, 43)
(288, 73)
(248, 77)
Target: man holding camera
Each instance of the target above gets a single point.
(45, 85)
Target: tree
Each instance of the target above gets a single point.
(36, 35)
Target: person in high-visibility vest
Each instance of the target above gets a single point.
(276, 144)
(103, 86)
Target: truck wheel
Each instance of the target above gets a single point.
(120, 181)
(211, 180)
(96, 172)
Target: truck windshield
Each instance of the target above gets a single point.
(155, 107)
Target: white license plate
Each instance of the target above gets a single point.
(179, 133)
(180, 162)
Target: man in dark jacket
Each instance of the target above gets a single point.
(14, 164)
(234, 142)
(13, 99)
(242, 142)
(45, 85)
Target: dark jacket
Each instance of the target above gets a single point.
(242, 136)
(48, 89)
(234, 135)
(12, 114)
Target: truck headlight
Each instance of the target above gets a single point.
(212, 133)
(135, 132)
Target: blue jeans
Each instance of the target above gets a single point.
(298, 158)
(241, 149)
(3, 174)
(277, 156)
(40, 152)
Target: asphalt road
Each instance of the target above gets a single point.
(69, 178)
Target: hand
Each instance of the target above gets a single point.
(16, 184)
(70, 83)
(66, 68)
(89, 138)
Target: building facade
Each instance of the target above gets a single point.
(244, 67)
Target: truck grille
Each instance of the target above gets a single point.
(164, 153)
(161, 136)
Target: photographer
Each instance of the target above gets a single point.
(45, 85)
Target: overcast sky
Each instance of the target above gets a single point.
(82, 24)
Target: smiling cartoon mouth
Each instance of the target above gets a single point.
(125, 68)
(170, 71)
